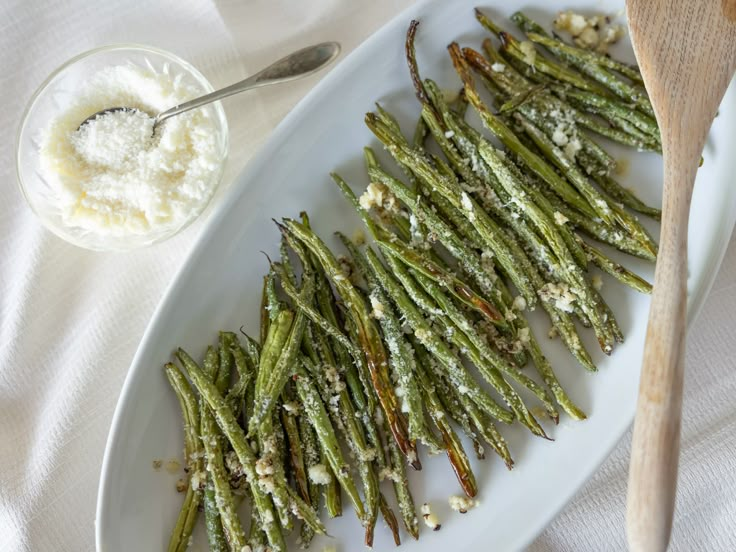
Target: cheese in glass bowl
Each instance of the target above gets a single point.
(114, 183)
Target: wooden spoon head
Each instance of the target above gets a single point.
(686, 51)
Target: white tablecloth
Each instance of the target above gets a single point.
(70, 320)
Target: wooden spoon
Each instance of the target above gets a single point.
(686, 51)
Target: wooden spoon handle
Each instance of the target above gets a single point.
(656, 441)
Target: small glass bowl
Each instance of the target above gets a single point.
(53, 97)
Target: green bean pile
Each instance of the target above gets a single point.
(397, 344)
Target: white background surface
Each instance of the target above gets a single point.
(70, 320)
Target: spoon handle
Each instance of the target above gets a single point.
(294, 66)
(656, 441)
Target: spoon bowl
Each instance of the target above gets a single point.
(107, 112)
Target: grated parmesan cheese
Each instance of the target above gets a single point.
(378, 311)
(572, 148)
(498, 67)
(233, 464)
(468, 206)
(560, 218)
(389, 474)
(198, 480)
(264, 466)
(574, 23)
(462, 503)
(113, 177)
(422, 335)
(379, 196)
(291, 407)
(267, 517)
(529, 51)
(559, 295)
(559, 137)
(589, 32)
(319, 474)
(611, 35)
(372, 197)
(588, 38)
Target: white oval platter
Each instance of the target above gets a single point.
(218, 287)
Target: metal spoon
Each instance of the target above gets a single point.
(294, 66)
